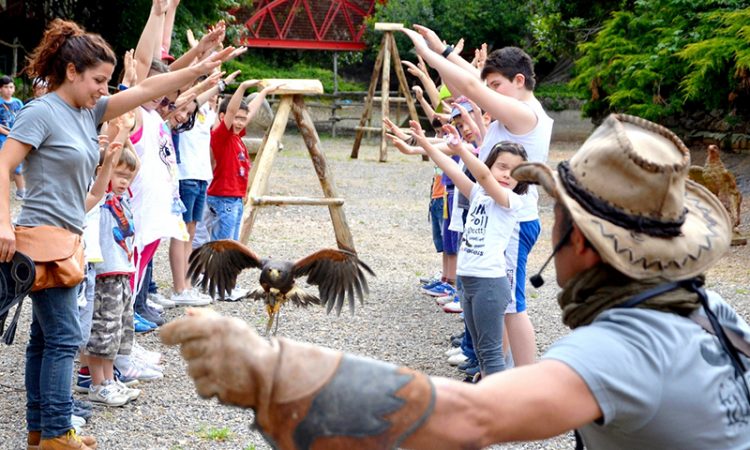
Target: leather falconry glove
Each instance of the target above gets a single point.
(304, 396)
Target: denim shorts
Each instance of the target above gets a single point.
(225, 217)
(193, 195)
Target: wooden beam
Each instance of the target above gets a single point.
(388, 26)
(292, 87)
(403, 85)
(306, 126)
(262, 167)
(268, 200)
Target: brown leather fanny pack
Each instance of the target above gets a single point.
(57, 254)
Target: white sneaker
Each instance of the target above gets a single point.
(197, 293)
(77, 422)
(107, 394)
(161, 300)
(235, 294)
(148, 356)
(130, 393)
(132, 367)
(455, 360)
(453, 351)
(154, 305)
(453, 307)
(187, 298)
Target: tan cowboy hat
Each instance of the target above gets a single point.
(628, 191)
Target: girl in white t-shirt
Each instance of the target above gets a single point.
(494, 202)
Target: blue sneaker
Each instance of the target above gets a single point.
(142, 325)
(464, 366)
(431, 284)
(440, 290)
(472, 371)
(80, 410)
(82, 384)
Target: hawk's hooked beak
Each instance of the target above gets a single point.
(274, 274)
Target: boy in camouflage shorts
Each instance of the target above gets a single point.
(112, 323)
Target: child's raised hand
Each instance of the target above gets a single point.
(103, 140)
(422, 65)
(417, 132)
(431, 38)
(129, 76)
(459, 47)
(394, 129)
(412, 69)
(452, 138)
(160, 7)
(400, 144)
(419, 42)
(418, 92)
(237, 52)
(230, 78)
(112, 154)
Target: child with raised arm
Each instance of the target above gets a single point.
(112, 322)
(485, 290)
(231, 162)
(504, 87)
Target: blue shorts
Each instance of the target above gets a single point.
(451, 239)
(225, 215)
(522, 240)
(19, 169)
(193, 195)
(436, 219)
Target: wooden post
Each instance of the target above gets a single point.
(262, 168)
(388, 51)
(368, 103)
(293, 101)
(385, 91)
(312, 142)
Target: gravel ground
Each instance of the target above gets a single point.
(386, 208)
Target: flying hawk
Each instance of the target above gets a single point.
(339, 274)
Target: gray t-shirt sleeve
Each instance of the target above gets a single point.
(33, 124)
(620, 368)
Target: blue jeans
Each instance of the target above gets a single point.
(436, 219)
(225, 217)
(53, 343)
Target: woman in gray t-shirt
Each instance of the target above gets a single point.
(57, 136)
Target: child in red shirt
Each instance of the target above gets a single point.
(231, 162)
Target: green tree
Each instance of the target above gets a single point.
(666, 56)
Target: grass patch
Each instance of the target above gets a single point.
(742, 291)
(214, 434)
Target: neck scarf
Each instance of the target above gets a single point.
(602, 287)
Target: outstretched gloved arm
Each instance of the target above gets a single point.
(304, 396)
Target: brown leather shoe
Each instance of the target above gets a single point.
(32, 441)
(68, 441)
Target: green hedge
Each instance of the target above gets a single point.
(256, 69)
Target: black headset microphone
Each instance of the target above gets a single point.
(537, 281)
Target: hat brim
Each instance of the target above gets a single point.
(705, 235)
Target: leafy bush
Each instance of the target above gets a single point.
(256, 69)
(666, 57)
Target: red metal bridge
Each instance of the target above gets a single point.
(309, 24)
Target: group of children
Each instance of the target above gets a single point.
(159, 166)
(491, 221)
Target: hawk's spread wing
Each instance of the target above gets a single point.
(216, 264)
(339, 275)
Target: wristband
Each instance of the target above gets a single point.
(122, 87)
(447, 51)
